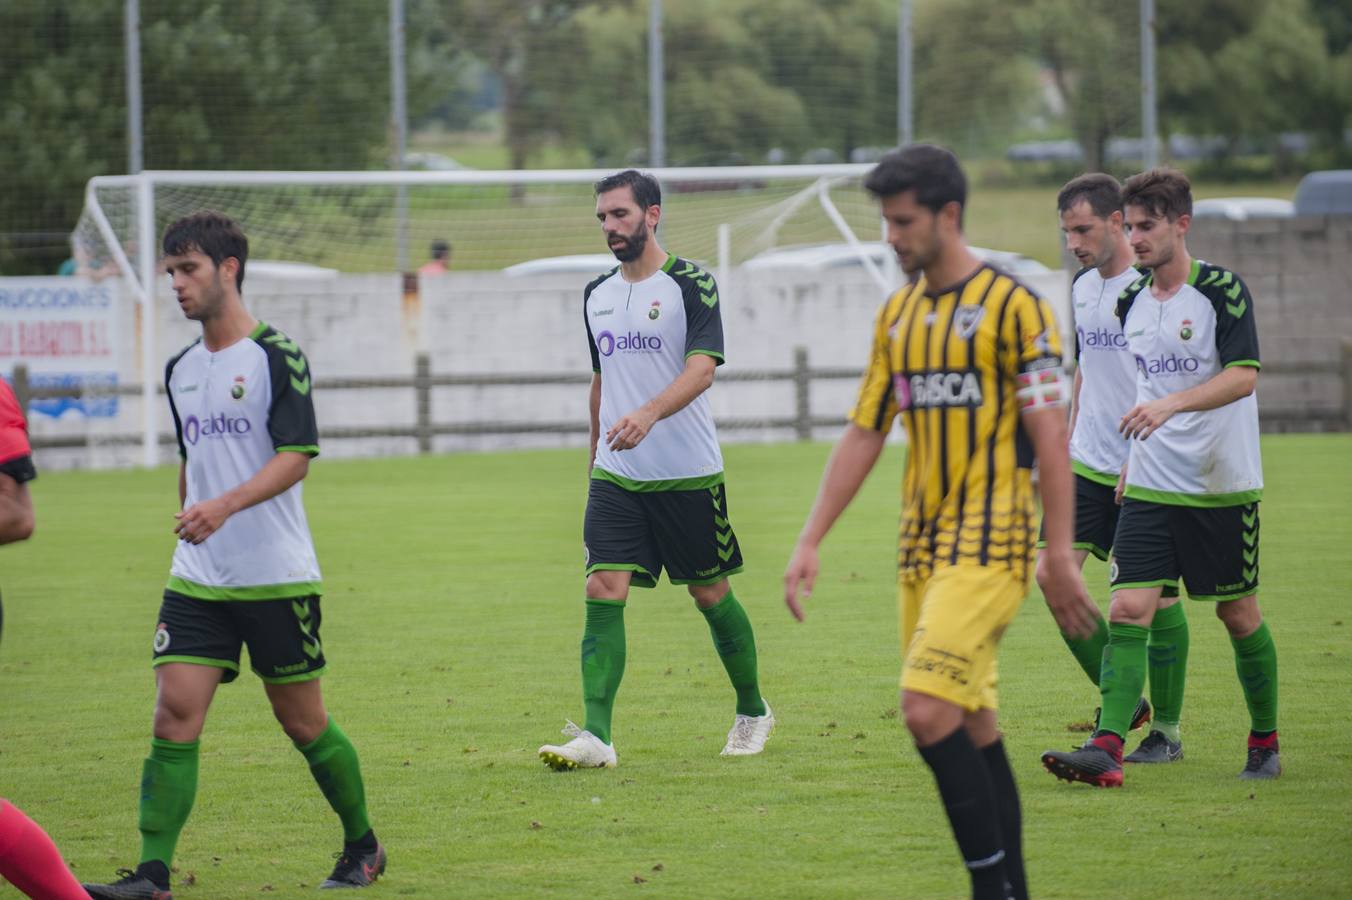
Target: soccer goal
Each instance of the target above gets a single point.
(326, 236)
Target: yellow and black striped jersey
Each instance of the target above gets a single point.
(947, 362)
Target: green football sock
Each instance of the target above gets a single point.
(1123, 676)
(1168, 652)
(1256, 664)
(168, 788)
(736, 646)
(1088, 652)
(602, 663)
(333, 763)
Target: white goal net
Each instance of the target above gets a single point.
(492, 353)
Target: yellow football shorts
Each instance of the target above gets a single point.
(951, 625)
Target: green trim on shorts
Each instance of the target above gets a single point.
(1081, 545)
(1198, 501)
(706, 581)
(698, 483)
(1093, 475)
(1159, 582)
(642, 577)
(1222, 598)
(289, 591)
(197, 661)
(1090, 546)
(292, 679)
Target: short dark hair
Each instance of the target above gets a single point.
(931, 171)
(211, 233)
(440, 249)
(1100, 191)
(647, 192)
(1161, 192)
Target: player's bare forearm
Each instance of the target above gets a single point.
(1046, 428)
(1225, 387)
(202, 519)
(1075, 401)
(851, 461)
(1062, 584)
(16, 511)
(594, 407)
(695, 379)
(182, 483)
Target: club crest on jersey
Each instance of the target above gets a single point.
(966, 319)
(936, 390)
(237, 389)
(655, 310)
(1185, 333)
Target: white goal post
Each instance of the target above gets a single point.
(364, 221)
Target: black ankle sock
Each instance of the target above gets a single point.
(969, 799)
(364, 844)
(156, 871)
(1011, 819)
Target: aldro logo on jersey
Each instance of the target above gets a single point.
(217, 426)
(608, 342)
(1101, 338)
(937, 390)
(1173, 364)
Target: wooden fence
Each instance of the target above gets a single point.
(801, 374)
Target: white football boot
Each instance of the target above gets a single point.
(584, 751)
(749, 733)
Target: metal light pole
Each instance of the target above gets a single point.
(657, 101)
(131, 37)
(1149, 124)
(905, 115)
(399, 127)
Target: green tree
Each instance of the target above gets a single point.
(1276, 66)
(249, 84)
(524, 43)
(61, 121)
(975, 81)
(1090, 47)
(839, 60)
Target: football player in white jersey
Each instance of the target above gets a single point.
(244, 569)
(656, 497)
(1194, 476)
(1090, 208)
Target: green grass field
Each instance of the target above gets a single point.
(452, 621)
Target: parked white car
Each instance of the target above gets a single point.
(836, 255)
(576, 264)
(1239, 209)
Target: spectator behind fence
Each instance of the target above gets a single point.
(440, 263)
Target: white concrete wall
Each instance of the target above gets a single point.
(485, 323)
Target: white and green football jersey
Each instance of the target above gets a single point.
(1108, 372)
(233, 411)
(640, 336)
(1208, 458)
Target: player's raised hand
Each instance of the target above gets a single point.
(799, 578)
(1067, 598)
(631, 429)
(201, 520)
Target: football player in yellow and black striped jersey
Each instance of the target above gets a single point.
(969, 359)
